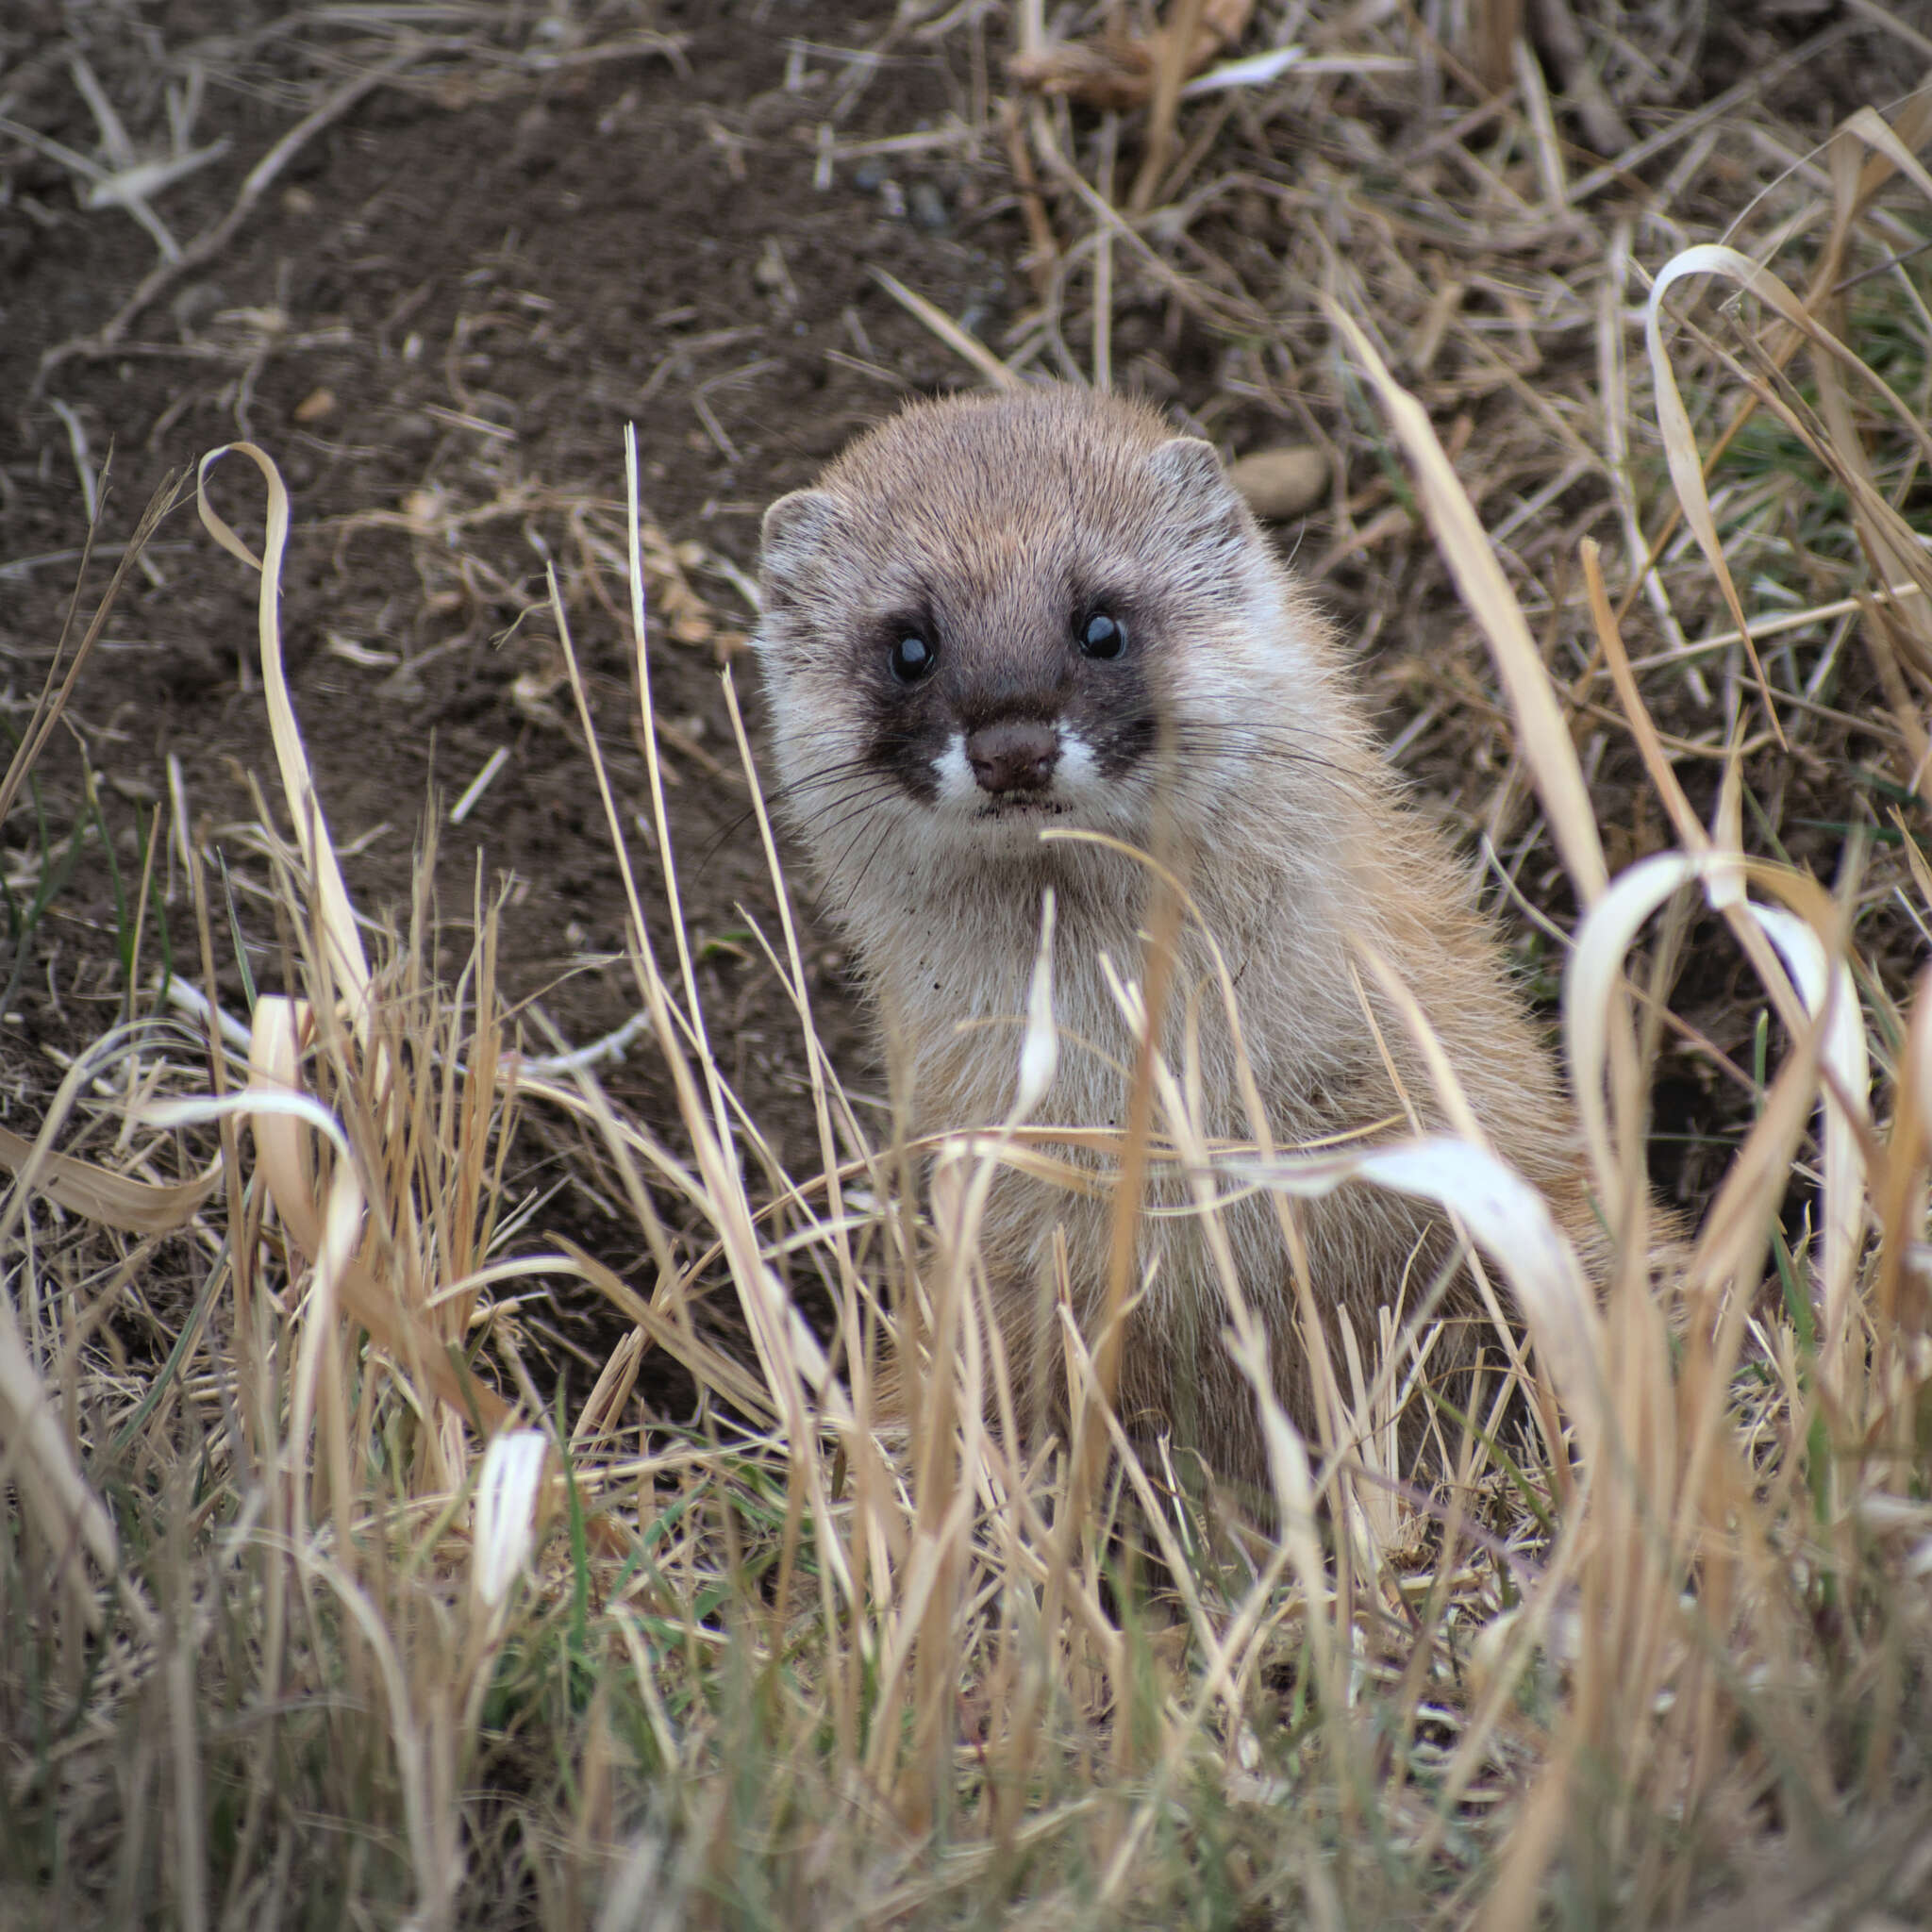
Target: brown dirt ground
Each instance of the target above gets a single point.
(452, 303)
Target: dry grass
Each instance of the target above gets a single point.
(334, 1612)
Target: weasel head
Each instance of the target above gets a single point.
(998, 613)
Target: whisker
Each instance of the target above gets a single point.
(845, 810)
(865, 871)
(868, 788)
(865, 821)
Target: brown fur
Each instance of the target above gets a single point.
(993, 521)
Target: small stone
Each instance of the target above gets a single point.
(928, 208)
(1280, 483)
(317, 404)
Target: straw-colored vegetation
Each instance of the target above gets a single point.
(331, 1614)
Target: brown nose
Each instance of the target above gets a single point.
(1015, 755)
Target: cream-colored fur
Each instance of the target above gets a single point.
(998, 514)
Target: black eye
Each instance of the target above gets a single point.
(913, 659)
(1102, 636)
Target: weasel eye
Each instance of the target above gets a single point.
(1102, 636)
(913, 659)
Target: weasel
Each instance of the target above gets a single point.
(1002, 613)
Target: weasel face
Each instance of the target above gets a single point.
(984, 714)
(1002, 611)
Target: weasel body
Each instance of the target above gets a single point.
(1002, 613)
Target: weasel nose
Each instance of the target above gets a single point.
(1015, 755)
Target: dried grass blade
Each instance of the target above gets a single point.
(114, 1200)
(1824, 984)
(1512, 1222)
(276, 1105)
(1684, 820)
(948, 331)
(336, 916)
(1591, 981)
(716, 1371)
(279, 1113)
(1673, 419)
(437, 1863)
(1868, 125)
(52, 701)
(1542, 736)
(35, 1452)
(1174, 60)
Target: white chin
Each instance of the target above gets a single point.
(996, 828)
(1020, 811)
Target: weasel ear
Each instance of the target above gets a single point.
(1205, 503)
(1190, 464)
(796, 528)
(797, 524)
